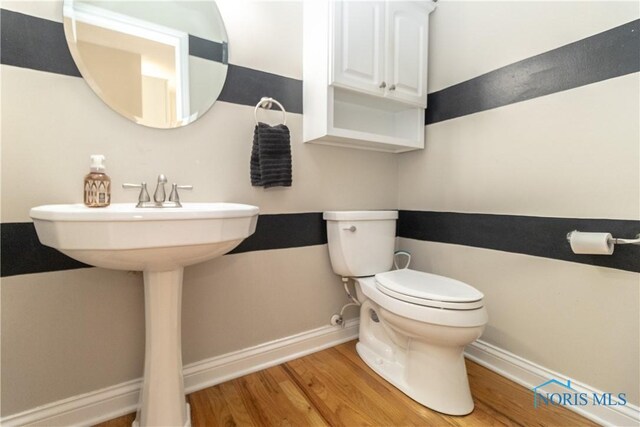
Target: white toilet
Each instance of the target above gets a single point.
(413, 325)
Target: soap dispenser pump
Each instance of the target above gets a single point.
(97, 185)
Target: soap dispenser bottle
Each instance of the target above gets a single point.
(97, 185)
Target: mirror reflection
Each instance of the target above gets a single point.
(161, 64)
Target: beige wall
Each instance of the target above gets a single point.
(570, 154)
(72, 332)
(66, 333)
(472, 37)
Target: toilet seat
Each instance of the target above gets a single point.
(429, 290)
(421, 313)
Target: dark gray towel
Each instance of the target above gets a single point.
(271, 156)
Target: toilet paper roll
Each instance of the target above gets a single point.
(591, 243)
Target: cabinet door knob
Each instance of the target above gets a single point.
(383, 85)
(392, 87)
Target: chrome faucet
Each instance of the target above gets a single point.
(160, 195)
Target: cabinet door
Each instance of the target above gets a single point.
(358, 45)
(406, 65)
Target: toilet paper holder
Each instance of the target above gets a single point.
(614, 240)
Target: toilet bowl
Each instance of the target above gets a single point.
(413, 325)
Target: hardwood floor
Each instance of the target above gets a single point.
(334, 387)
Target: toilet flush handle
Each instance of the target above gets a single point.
(351, 229)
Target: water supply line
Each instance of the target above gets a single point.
(338, 319)
(395, 259)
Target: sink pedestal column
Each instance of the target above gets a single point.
(162, 400)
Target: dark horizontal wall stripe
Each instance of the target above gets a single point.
(39, 44)
(246, 86)
(35, 43)
(609, 54)
(22, 252)
(285, 231)
(538, 236)
(207, 49)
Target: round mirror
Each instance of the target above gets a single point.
(160, 64)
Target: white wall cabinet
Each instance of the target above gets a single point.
(381, 48)
(359, 45)
(365, 73)
(407, 52)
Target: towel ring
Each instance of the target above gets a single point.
(266, 102)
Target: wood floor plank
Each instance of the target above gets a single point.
(506, 397)
(328, 401)
(249, 401)
(239, 412)
(483, 415)
(122, 421)
(297, 398)
(361, 391)
(210, 408)
(335, 387)
(201, 410)
(272, 398)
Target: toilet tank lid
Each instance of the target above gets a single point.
(359, 215)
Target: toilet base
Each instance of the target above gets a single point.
(458, 402)
(391, 371)
(424, 361)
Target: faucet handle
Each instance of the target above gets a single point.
(174, 197)
(143, 197)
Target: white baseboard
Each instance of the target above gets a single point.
(219, 369)
(529, 374)
(84, 410)
(111, 402)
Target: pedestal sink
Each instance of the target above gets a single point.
(160, 242)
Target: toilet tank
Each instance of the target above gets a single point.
(361, 243)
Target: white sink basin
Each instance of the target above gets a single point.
(123, 237)
(160, 242)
